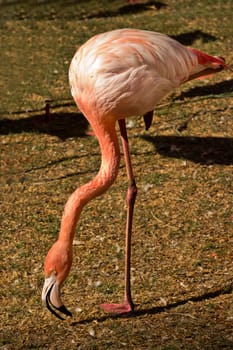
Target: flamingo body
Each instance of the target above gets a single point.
(113, 76)
(127, 72)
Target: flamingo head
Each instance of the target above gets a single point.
(56, 268)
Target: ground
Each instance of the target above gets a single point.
(183, 228)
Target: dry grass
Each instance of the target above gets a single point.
(183, 234)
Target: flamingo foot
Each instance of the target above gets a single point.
(125, 308)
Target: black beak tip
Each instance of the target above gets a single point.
(53, 309)
(64, 310)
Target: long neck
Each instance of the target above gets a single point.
(107, 137)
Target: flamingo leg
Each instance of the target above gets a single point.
(127, 307)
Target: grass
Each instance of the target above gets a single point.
(183, 235)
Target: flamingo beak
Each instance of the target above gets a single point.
(51, 298)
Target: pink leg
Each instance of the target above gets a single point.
(127, 307)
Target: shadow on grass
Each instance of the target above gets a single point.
(189, 37)
(205, 90)
(203, 150)
(62, 125)
(70, 9)
(227, 289)
(128, 9)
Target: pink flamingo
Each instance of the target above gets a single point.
(113, 76)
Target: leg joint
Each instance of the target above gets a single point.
(131, 192)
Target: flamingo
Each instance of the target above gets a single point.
(113, 76)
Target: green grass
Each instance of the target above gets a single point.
(183, 233)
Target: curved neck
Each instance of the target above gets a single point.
(107, 137)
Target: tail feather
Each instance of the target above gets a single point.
(205, 59)
(208, 65)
